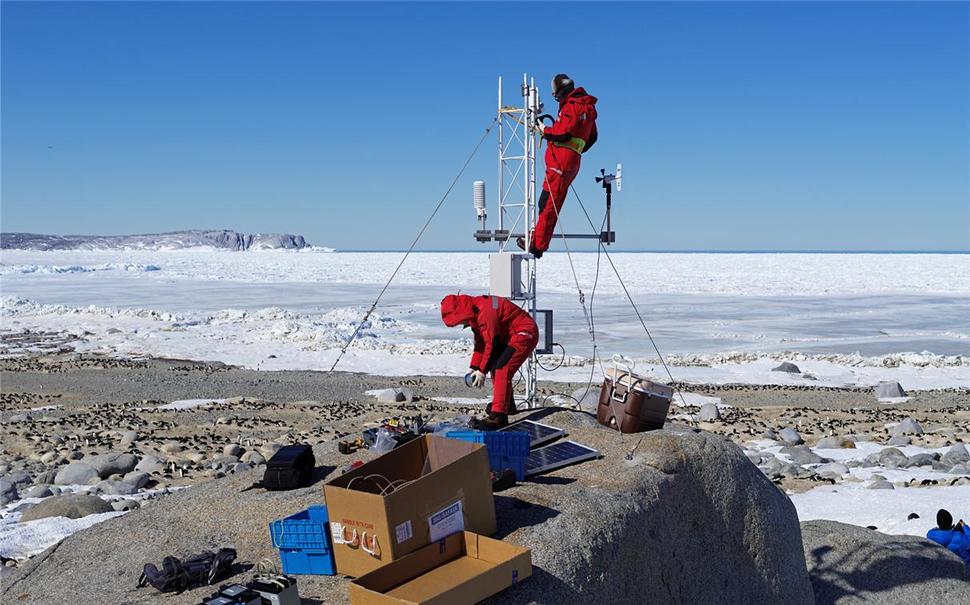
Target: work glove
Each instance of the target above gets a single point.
(478, 379)
(540, 127)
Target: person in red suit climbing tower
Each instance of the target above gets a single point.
(505, 337)
(567, 139)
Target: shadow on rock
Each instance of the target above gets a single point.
(514, 513)
(546, 480)
(849, 564)
(540, 583)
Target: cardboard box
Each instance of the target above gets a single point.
(463, 568)
(434, 487)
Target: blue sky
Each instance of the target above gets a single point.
(740, 125)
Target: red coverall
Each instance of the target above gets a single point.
(567, 139)
(505, 336)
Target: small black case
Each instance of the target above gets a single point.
(290, 467)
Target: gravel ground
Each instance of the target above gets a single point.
(90, 379)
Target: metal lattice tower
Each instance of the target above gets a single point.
(518, 142)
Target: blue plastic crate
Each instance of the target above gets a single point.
(304, 542)
(506, 449)
(298, 561)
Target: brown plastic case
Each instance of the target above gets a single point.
(636, 403)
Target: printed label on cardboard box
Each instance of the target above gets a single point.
(403, 532)
(446, 521)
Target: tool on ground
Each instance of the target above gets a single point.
(349, 467)
(349, 447)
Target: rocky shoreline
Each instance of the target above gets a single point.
(90, 437)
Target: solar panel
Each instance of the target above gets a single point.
(556, 456)
(538, 432)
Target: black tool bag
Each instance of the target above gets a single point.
(178, 575)
(289, 468)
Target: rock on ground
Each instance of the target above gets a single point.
(112, 463)
(790, 436)
(907, 427)
(72, 506)
(787, 366)
(957, 454)
(834, 443)
(850, 564)
(77, 473)
(8, 492)
(708, 413)
(394, 395)
(889, 390)
(586, 399)
(38, 491)
(149, 464)
(688, 520)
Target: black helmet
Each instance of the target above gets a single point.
(562, 85)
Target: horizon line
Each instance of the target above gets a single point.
(676, 251)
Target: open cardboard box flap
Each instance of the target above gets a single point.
(409, 462)
(462, 568)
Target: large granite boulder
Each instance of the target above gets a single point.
(8, 491)
(112, 464)
(77, 473)
(72, 506)
(687, 518)
(850, 564)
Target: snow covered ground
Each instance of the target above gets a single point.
(889, 510)
(845, 319)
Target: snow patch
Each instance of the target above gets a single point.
(22, 540)
(188, 404)
(885, 509)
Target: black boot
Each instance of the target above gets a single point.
(493, 422)
(520, 242)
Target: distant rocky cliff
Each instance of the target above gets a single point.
(224, 239)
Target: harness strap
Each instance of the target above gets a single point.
(575, 143)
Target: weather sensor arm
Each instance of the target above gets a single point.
(607, 180)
